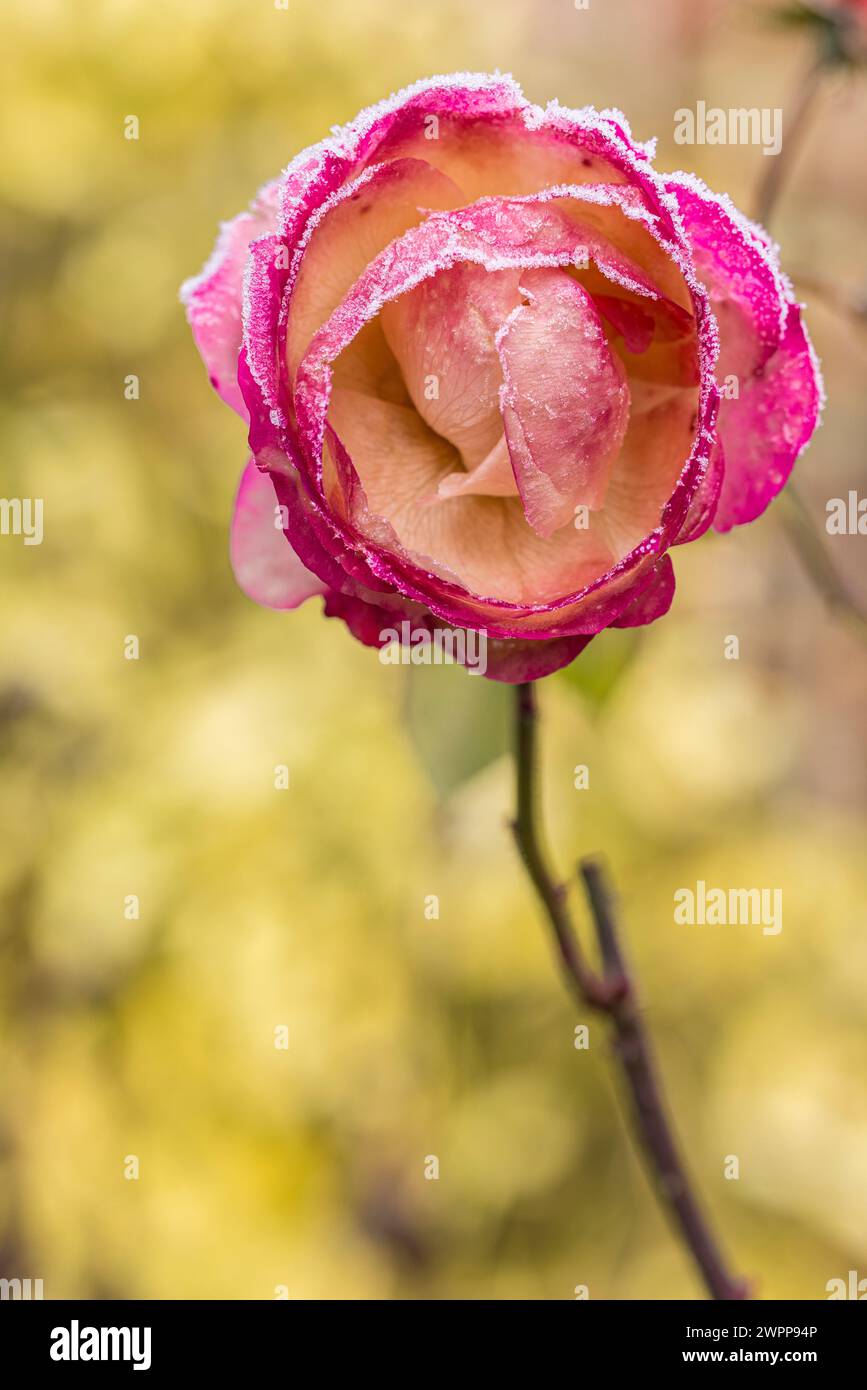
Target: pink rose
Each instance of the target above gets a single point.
(494, 367)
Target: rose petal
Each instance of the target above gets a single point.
(629, 319)
(655, 601)
(765, 430)
(494, 476)
(350, 230)
(510, 661)
(266, 567)
(482, 543)
(765, 354)
(565, 400)
(442, 335)
(213, 298)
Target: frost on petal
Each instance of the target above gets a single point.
(765, 430)
(654, 601)
(266, 567)
(366, 621)
(565, 400)
(442, 335)
(738, 268)
(510, 660)
(258, 373)
(213, 298)
(772, 387)
(705, 500)
(350, 230)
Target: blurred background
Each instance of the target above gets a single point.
(147, 1028)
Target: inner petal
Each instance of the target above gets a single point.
(442, 334)
(424, 466)
(565, 400)
(351, 231)
(482, 542)
(514, 369)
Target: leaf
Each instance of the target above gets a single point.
(458, 723)
(602, 664)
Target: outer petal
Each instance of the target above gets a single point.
(213, 298)
(511, 661)
(350, 230)
(656, 599)
(705, 499)
(516, 661)
(266, 567)
(765, 353)
(764, 431)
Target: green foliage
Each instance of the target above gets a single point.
(458, 723)
(597, 672)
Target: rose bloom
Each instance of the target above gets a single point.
(494, 368)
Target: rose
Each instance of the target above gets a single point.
(495, 366)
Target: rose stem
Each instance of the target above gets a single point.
(794, 513)
(613, 993)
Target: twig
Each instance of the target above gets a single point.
(612, 993)
(795, 515)
(846, 302)
(777, 166)
(814, 558)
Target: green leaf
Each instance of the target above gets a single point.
(458, 723)
(596, 673)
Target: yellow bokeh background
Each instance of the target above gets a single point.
(409, 1036)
